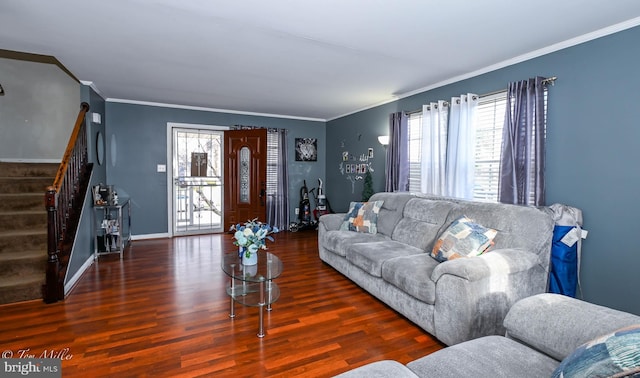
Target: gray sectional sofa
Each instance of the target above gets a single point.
(541, 331)
(455, 300)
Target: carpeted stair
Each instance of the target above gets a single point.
(23, 229)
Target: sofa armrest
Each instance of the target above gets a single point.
(556, 324)
(499, 261)
(332, 221)
(473, 295)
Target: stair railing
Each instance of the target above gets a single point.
(61, 201)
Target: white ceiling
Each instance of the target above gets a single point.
(307, 59)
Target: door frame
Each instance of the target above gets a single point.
(169, 166)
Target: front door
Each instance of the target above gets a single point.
(197, 180)
(245, 176)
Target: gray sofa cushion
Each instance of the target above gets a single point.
(412, 274)
(548, 322)
(380, 369)
(339, 241)
(391, 210)
(489, 356)
(422, 221)
(370, 256)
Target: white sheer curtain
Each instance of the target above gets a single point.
(434, 147)
(460, 146)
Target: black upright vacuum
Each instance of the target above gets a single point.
(307, 221)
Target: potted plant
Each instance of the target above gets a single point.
(250, 237)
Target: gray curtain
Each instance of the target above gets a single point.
(522, 162)
(277, 203)
(397, 163)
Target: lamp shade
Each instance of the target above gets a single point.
(383, 139)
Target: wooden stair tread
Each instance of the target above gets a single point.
(23, 232)
(25, 194)
(24, 212)
(25, 279)
(20, 178)
(22, 255)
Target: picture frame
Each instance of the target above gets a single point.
(306, 149)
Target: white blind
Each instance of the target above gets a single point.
(415, 154)
(491, 113)
(272, 162)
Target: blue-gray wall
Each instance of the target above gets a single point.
(592, 151)
(141, 139)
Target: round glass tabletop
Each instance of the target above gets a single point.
(269, 267)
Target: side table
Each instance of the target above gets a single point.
(111, 228)
(252, 285)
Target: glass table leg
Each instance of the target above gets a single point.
(232, 312)
(261, 306)
(269, 291)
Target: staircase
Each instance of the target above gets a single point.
(23, 229)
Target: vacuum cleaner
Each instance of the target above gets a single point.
(307, 219)
(322, 203)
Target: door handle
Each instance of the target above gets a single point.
(262, 194)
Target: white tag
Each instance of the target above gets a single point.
(571, 237)
(584, 234)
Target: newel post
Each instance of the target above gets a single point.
(52, 291)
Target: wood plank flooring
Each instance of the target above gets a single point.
(163, 312)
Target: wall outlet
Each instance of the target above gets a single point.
(297, 210)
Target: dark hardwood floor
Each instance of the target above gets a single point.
(163, 311)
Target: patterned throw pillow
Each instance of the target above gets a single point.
(362, 217)
(614, 355)
(463, 238)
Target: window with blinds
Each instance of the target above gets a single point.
(415, 155)
(491, 113)
(272, 162)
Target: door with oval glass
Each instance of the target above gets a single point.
(245, 176)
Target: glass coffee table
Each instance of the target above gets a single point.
(252, 285)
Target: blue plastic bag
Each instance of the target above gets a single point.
(563, 278)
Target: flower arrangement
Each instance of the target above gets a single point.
(252, 236)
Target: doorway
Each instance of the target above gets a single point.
(196, 174)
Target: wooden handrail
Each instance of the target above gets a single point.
(64, 208)
(66, 158)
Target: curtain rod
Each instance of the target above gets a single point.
(550, 80)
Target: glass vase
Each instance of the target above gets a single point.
(251, 260)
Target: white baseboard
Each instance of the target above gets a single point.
(72, 282)
(151, 236)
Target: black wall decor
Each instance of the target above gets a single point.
(306, 149)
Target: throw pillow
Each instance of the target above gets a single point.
(614, 355)
(362, 217)
(463, 238)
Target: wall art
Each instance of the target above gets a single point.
(306, 149)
